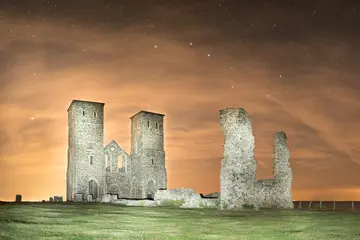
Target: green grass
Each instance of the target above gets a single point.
(104, 221)
(172, 203)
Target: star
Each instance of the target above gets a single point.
(191, 43)
(32, 118)
(208, 55)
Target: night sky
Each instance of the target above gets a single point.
(293, 66)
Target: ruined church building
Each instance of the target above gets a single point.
(93, 169)
(93, 172)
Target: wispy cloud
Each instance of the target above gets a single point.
(303, 85)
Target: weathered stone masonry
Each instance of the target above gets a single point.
(93, 173)
(93, 169)
(238, 184)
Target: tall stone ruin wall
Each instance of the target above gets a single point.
(238, 184)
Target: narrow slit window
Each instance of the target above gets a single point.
(91, 160)
(83, 113)
(94, 114)
(156, 125)
(148, 124)
(152, 161)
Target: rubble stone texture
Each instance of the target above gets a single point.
(128, 202)
(93, 168)
(106, 198)
(238, 184)
(89, 198)
(186, 197)
(176, 194)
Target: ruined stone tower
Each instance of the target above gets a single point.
(147, 154)
(86, 163)
(238, 167)
(238, 184)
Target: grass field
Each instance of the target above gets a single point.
(104, 221)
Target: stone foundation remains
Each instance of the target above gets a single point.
(181, 197)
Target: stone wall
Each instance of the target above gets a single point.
(238, 184)
(118, 183)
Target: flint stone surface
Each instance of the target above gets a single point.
(174, 195)
(106, 198)
(238, 167)
(238, 184)
(79, 197)
(114, 196)
(90, 198)
(282, 172)
(126, 202)
(189, 196)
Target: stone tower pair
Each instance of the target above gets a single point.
(86, 168)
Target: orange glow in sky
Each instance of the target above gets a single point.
(45, 64)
